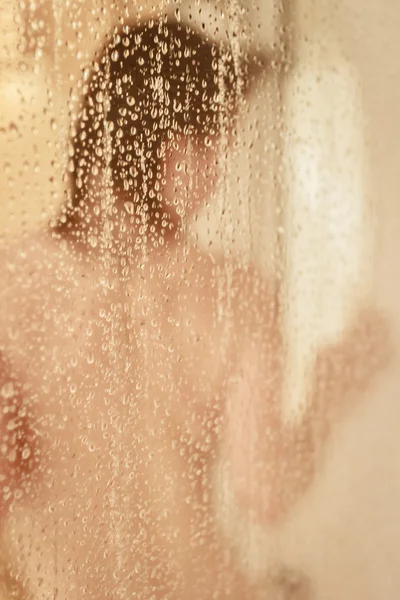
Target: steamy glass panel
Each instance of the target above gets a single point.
(198, 303)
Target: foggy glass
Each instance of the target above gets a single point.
(198, 307)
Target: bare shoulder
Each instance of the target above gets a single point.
(226, 297)
(217, 272)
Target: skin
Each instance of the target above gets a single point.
(125, 396)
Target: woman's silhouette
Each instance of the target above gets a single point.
(134, 366)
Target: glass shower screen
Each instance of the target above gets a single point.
(198, 306)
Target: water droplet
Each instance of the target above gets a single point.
(18, 494)
(177, 105)
(129, 207)
(12, 424)
(13, 128)
(13, 333)
(26, 453)
(8, 390)
(12, 457)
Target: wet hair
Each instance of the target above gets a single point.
(150, 85)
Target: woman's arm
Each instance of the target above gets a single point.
(272, 462)
(342, 373)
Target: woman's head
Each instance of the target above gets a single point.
(156, 90)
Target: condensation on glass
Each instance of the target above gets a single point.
(198, 307)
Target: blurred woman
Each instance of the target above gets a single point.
(138, 370)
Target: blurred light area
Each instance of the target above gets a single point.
(329, 229)
(30, 156)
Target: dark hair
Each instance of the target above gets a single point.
(152, 82)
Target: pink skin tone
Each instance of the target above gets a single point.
(214, 404)
(191, 177)
(256, 441)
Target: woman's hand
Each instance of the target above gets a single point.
(271, 462)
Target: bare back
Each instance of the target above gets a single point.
(124, 385)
